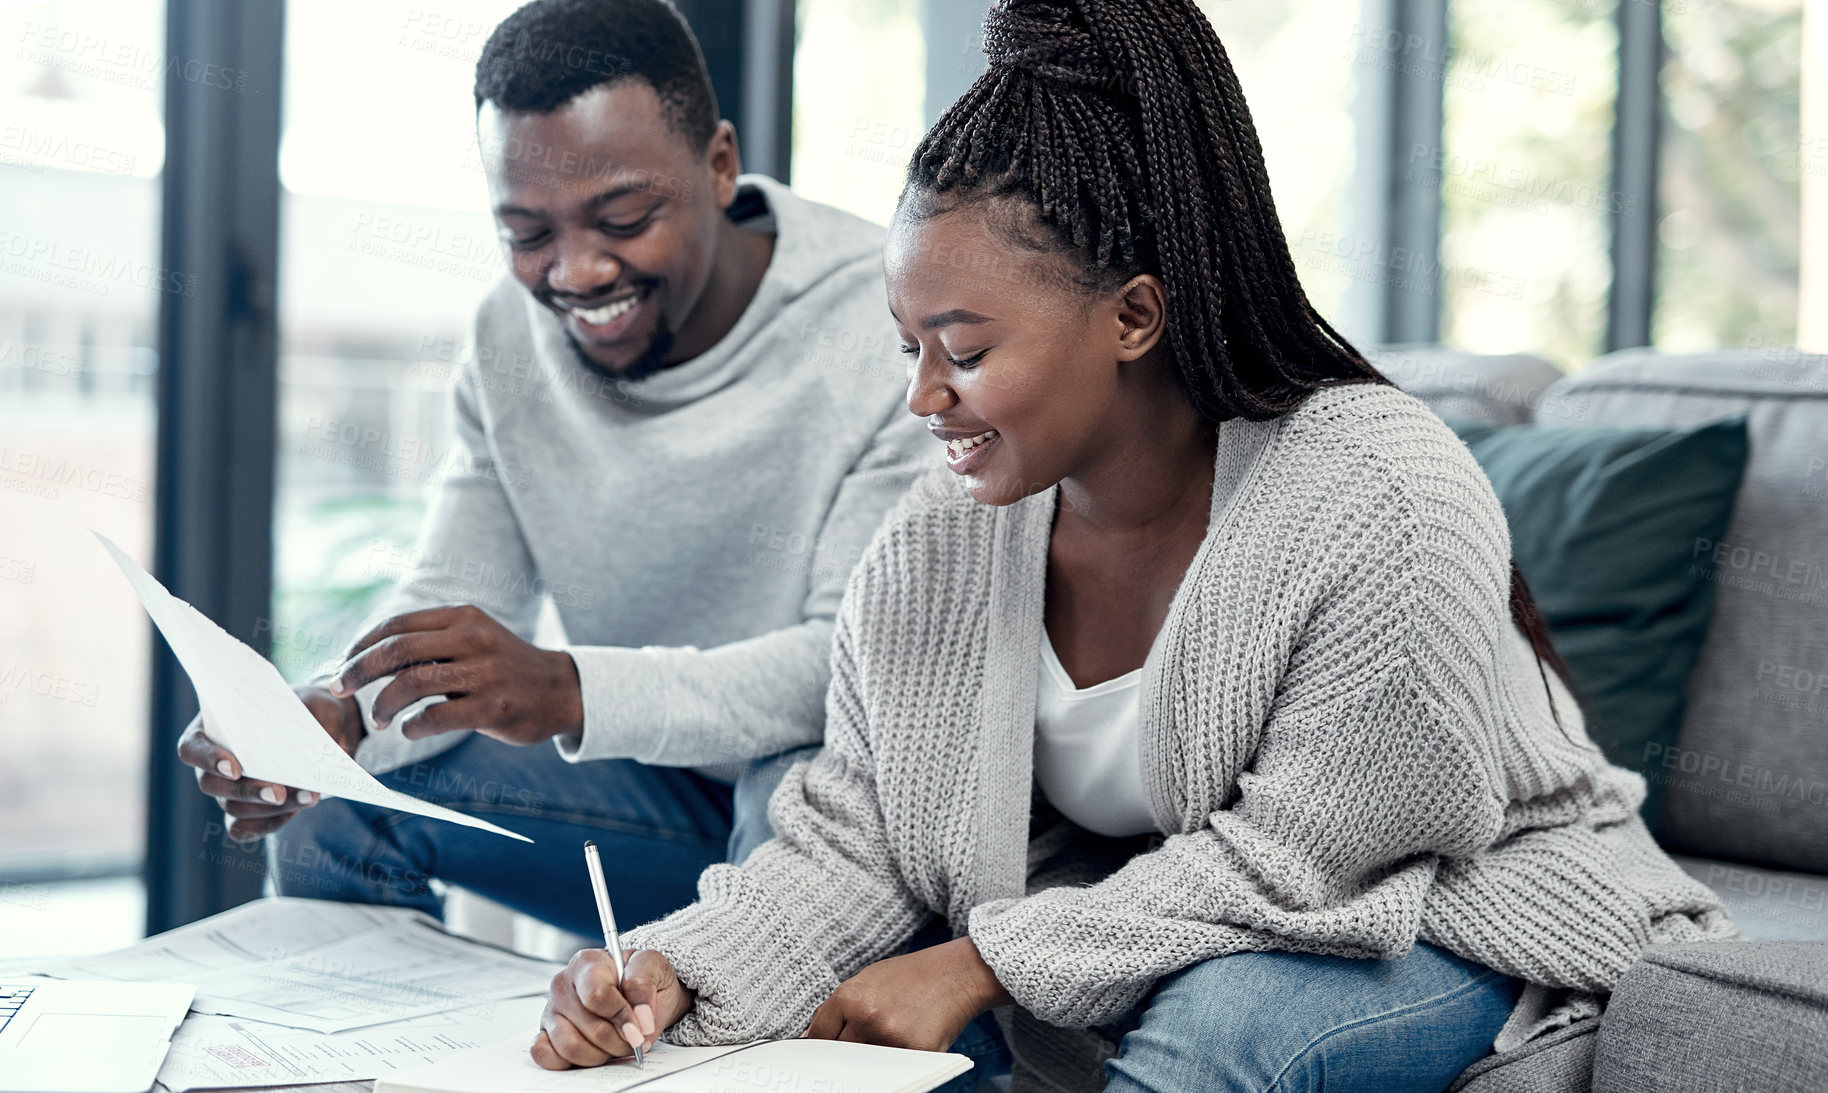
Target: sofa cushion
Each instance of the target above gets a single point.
(1748, 779)
(1601, 525)
(1492, 390)
(1560, 1062)
(1766, 904)
(1718, 1016)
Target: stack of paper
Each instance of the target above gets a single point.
(328, 967)
(212, 1052)
(291, 991)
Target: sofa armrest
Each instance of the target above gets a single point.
(1706, 1016)
(1561, 1062)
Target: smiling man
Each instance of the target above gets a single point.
(681, 426)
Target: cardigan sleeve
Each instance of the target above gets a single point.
(768, 942)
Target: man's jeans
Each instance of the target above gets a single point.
(657, 829)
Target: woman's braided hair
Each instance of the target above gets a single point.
(1121, 127)
(1121, 124)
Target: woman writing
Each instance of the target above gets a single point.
(1199, 695)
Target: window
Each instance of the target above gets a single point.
(81, 149)
(857, 100)
(387, 247)
(1524, 169)
(1299, 64)
(1729, 240)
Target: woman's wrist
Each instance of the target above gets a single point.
(986, 988)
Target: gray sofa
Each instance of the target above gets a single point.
(1747, 782)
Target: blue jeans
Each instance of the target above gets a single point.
(658, 828)
(1288, 1022)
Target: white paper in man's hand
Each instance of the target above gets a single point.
(249, 709)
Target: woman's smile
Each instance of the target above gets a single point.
(967, 452)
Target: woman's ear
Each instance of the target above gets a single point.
(1142, 311)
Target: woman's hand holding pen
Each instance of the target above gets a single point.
(923, 999)
(589, 1020)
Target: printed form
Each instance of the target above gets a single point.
(327, 967)
(228, 1052)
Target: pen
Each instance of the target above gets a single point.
(611, 939)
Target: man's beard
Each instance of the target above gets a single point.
(651, 360)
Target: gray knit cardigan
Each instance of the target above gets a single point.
(1345, 742)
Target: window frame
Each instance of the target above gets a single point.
(215, 431)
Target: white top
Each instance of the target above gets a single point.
(1088, 757)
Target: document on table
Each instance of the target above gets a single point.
(507, 1066)
(323, 966)
(251, 711)
(211, 1052)
(804, 1065)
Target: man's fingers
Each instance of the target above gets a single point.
(393, 654)
(196, 749)
(419, 682)
(250, 790)
(339, 716)
(255, 810)
(455, 715)
(430, 618)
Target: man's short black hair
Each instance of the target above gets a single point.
(551, 51)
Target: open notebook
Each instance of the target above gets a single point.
(801, 1065)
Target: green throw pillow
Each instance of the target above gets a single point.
(1604, 524)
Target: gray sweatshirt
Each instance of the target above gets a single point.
(694, 529)
(1346, 746)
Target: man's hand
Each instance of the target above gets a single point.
(589, 1020)
(491, 680)
(922, 1000)
(256, 808)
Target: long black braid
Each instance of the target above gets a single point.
(1121, 127)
